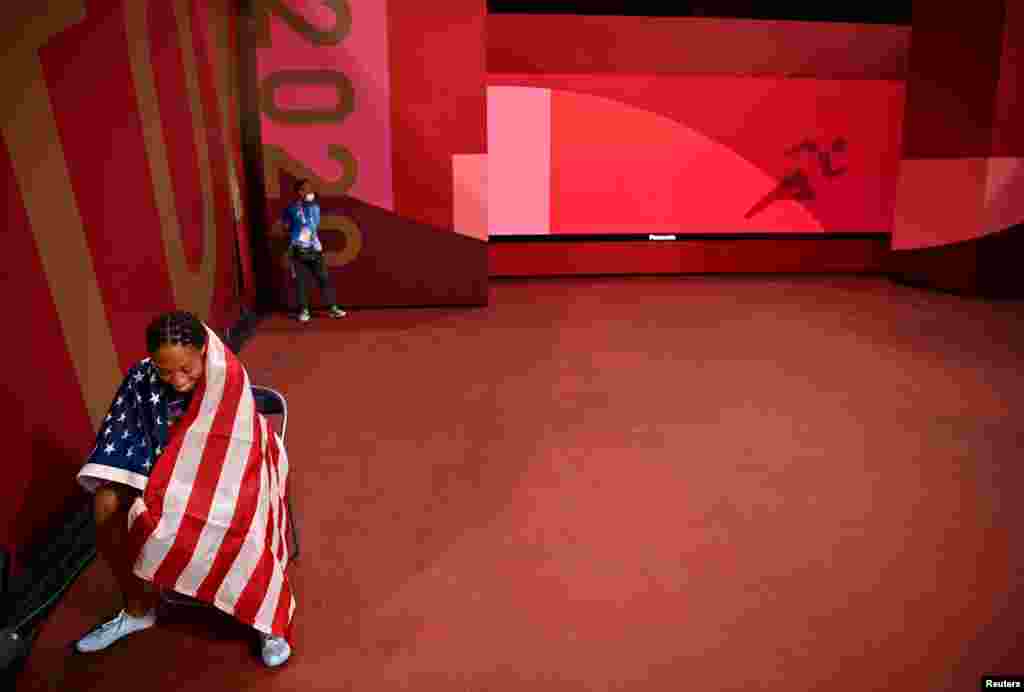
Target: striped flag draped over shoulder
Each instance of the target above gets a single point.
(212, 523)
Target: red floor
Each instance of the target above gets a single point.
(630, 484)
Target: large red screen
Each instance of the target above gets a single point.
(613, 153)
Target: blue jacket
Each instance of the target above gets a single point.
(303, 216)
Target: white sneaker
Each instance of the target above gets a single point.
(109, 632)
(275, 650)
(304, 316)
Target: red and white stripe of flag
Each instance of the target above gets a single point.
(213, 521)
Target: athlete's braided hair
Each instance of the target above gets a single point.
(175, 328)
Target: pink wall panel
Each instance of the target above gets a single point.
(362, 56)
(469, 173)
(519, 160)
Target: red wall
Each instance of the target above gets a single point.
(438, 100)
(93, 254)
(960, 207)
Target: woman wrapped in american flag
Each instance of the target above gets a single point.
(190, 486)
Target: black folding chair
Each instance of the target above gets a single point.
(270, 403)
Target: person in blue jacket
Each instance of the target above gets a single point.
(305, 252)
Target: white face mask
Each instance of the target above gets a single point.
(310, 197)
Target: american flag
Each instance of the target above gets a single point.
(135, 431)
(213, 520)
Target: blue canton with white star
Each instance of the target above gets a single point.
(135, 431)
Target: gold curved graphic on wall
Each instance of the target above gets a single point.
(298, 24)
(192, 290)
(276, 160)
(342, 87)
(353, 239)
(223, 62)
(29, 129)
